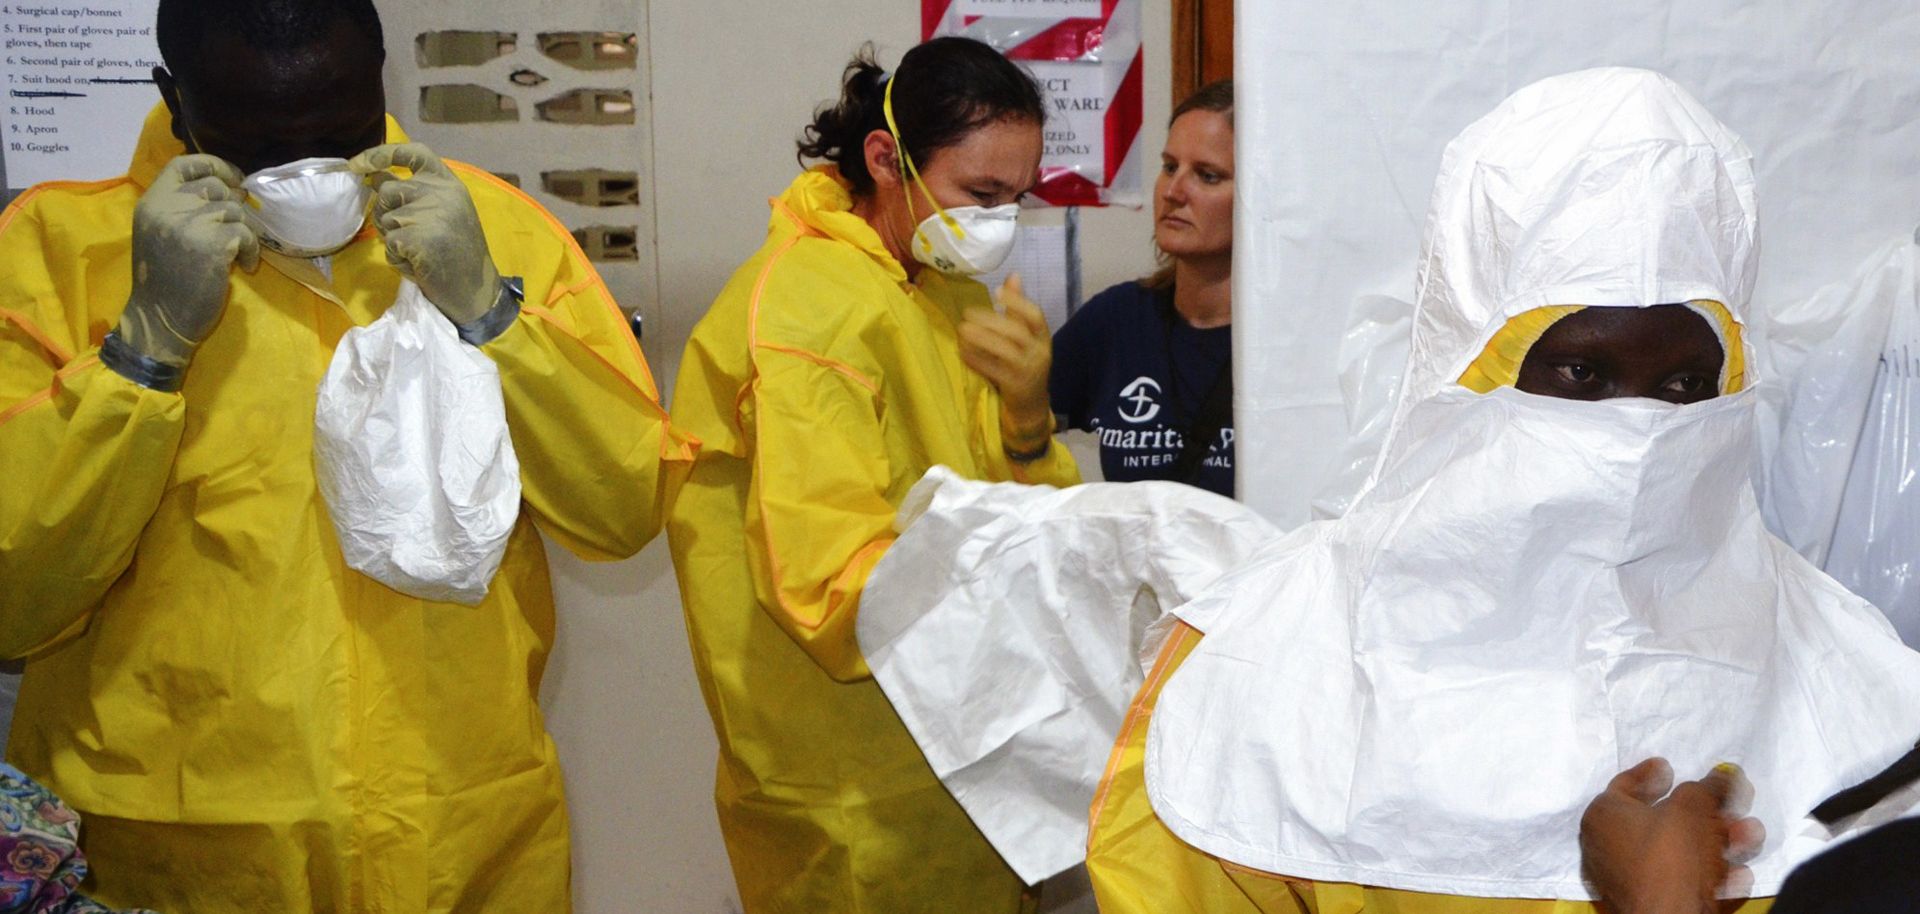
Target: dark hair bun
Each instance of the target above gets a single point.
(839, 129)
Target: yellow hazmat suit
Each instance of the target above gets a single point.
(246, 724)
(823, 385)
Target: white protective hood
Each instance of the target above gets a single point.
(1533, 594)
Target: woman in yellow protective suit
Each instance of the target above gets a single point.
(1407, 709)
(847, 357)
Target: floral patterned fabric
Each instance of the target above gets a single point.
(40, 861)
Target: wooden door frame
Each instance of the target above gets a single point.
(1202, 44)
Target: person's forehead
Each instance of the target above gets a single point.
(1202, 132)
(1003, 151)
(232, 76)
(1658, 327)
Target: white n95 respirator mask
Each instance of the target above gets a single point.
(967, 240)
(308, 208)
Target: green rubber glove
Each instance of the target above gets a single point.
(189, 229)
(431, 229)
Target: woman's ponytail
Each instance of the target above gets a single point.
(839, 130)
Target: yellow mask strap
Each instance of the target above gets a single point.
(906, 166)
(1498, 365)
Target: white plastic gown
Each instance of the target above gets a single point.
(1533, 594)
(1009, 627)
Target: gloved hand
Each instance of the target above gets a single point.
(188, 230)
(1013, 351)
(1650, 852)
(431, 229)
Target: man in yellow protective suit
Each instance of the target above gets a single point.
(247, 724)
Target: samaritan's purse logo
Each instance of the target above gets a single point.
(1136, 400)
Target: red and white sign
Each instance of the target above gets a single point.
(1086, 56)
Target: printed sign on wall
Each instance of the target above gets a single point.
(1086, 55)
(79, 85)
(1069, 9)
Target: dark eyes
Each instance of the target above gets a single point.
(1688, 384)
(1574, 373)
(1578, 375)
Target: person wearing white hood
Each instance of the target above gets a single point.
(1407, 709)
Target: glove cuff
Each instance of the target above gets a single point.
(506, 307)
(141, 369)
(1028, 456)
(1009, 442)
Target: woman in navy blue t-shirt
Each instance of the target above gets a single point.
(1147, 365)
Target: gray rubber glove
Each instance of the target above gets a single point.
(189, 229)
(431, 229)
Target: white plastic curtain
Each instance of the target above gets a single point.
(1343, 109)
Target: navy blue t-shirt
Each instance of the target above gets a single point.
(1129, 369)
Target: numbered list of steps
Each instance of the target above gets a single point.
(79, 83)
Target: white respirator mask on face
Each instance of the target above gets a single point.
(308, 208)
(964, 240)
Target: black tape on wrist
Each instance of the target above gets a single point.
(139, 368)
(506, 307)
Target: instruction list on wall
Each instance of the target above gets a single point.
(79, 80)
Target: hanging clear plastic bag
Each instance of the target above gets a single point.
(413, 457)
(1840, 444)
(1373, 359)
(1876, 544)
